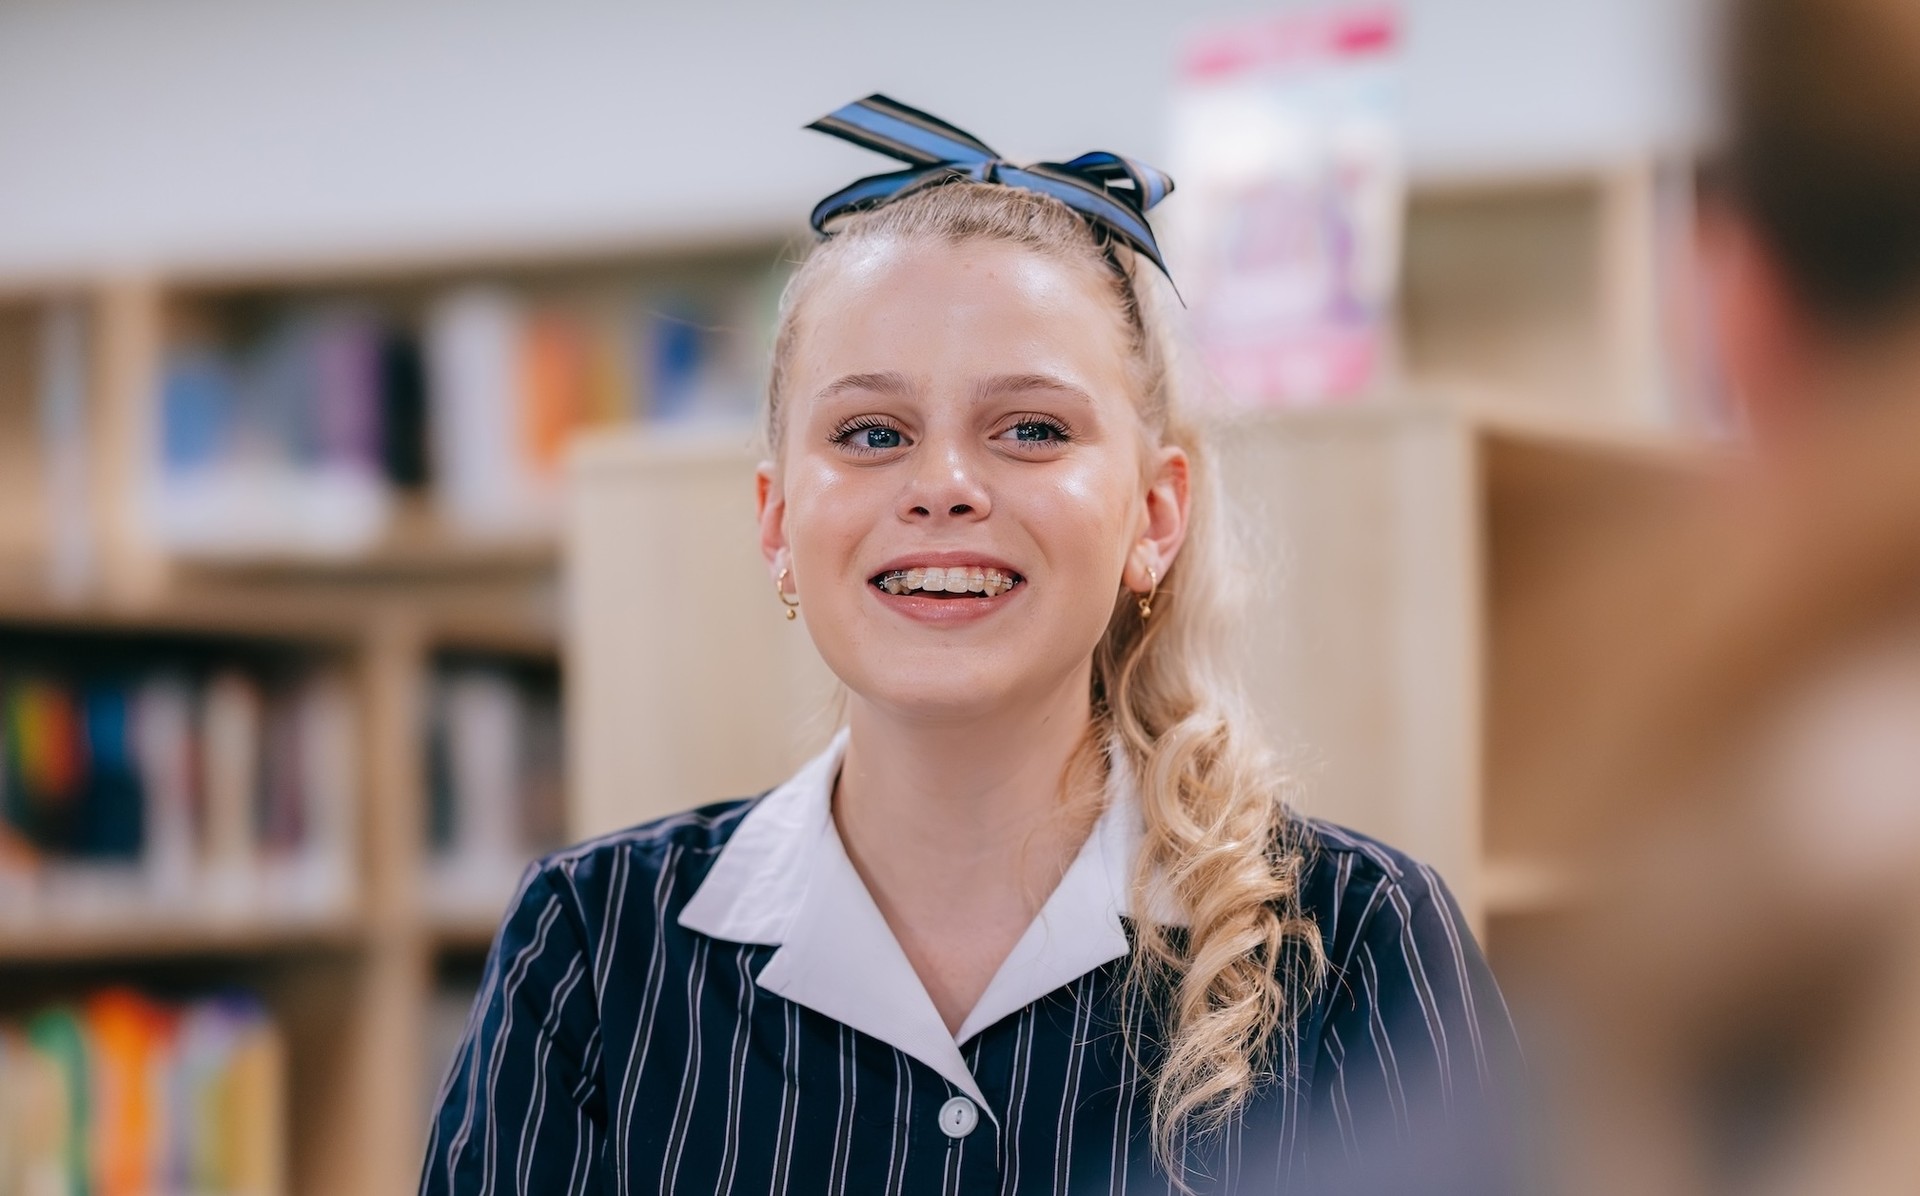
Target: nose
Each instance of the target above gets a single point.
(945, 481)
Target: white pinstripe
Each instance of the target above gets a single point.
(789, 1101)
(689, 1072)
(522, 963)
(849, 1098)
(1017, 1100)
(737, 1069)
(1076, 1058)
(530, 1132)
(1482, 1064)
(1383, 1046)
(897, 1153)
(629, 1092)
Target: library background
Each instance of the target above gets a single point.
(376, 400)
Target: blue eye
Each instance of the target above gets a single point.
(867, 434)
(1035, 429)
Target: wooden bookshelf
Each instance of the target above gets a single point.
(55, 941)
(1544, 290)
(349, 989)
(132, 323)
(418, 544)
(1561, 292)
(1539, 289)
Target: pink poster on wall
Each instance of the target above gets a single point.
(1287, 148)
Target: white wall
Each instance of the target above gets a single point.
(204, 131)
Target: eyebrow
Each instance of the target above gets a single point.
(887, 382)
(892, 382)
(1021, 383)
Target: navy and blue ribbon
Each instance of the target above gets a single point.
(1107, 190)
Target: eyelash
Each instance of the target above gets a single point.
(843, 435)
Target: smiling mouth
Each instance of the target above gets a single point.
(959, 581)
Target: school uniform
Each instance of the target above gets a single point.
(712, 1003)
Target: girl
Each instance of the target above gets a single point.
(1038, 919)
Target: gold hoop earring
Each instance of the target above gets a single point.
(780, 588)
(1153, 587)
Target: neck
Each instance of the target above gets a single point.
(958, 790)
(966, 814)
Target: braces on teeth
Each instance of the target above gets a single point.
(961, 579)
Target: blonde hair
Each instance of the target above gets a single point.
(1218, 842)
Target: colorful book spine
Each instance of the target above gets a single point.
(278, 441)
(176, 794)
(302, 430)
(121, 1095)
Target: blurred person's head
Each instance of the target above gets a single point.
(973, 370)
(1813, 207)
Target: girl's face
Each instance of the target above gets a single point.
(964, 486)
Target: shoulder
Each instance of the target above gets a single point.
(699, 832)
(1403, 966)
(1366, 895)
(1410, 1049)
(659, 863)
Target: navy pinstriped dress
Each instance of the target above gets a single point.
(708, 1004)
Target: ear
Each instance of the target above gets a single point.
(1163, 524)
(1761, 335)
(770, 508)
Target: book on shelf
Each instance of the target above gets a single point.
(495, 800)
(47, 501)
(277, 444)
(484, 478)
(513, 380)
(304, 434)
(700, 358)
(175, 794)
(121, 1095)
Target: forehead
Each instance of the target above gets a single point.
(950, 314)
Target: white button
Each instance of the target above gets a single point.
(958, 1117)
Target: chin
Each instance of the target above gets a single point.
(927, 697)
(965, 686)
(956, 676)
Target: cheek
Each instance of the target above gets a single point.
(1101, 491)
(826, 513)
(1085, 515)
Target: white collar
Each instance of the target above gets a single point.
(783, 879)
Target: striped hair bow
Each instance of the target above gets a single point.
(1107, 190)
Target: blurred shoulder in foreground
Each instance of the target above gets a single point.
(1739, 990)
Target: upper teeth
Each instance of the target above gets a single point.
(956, 579)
